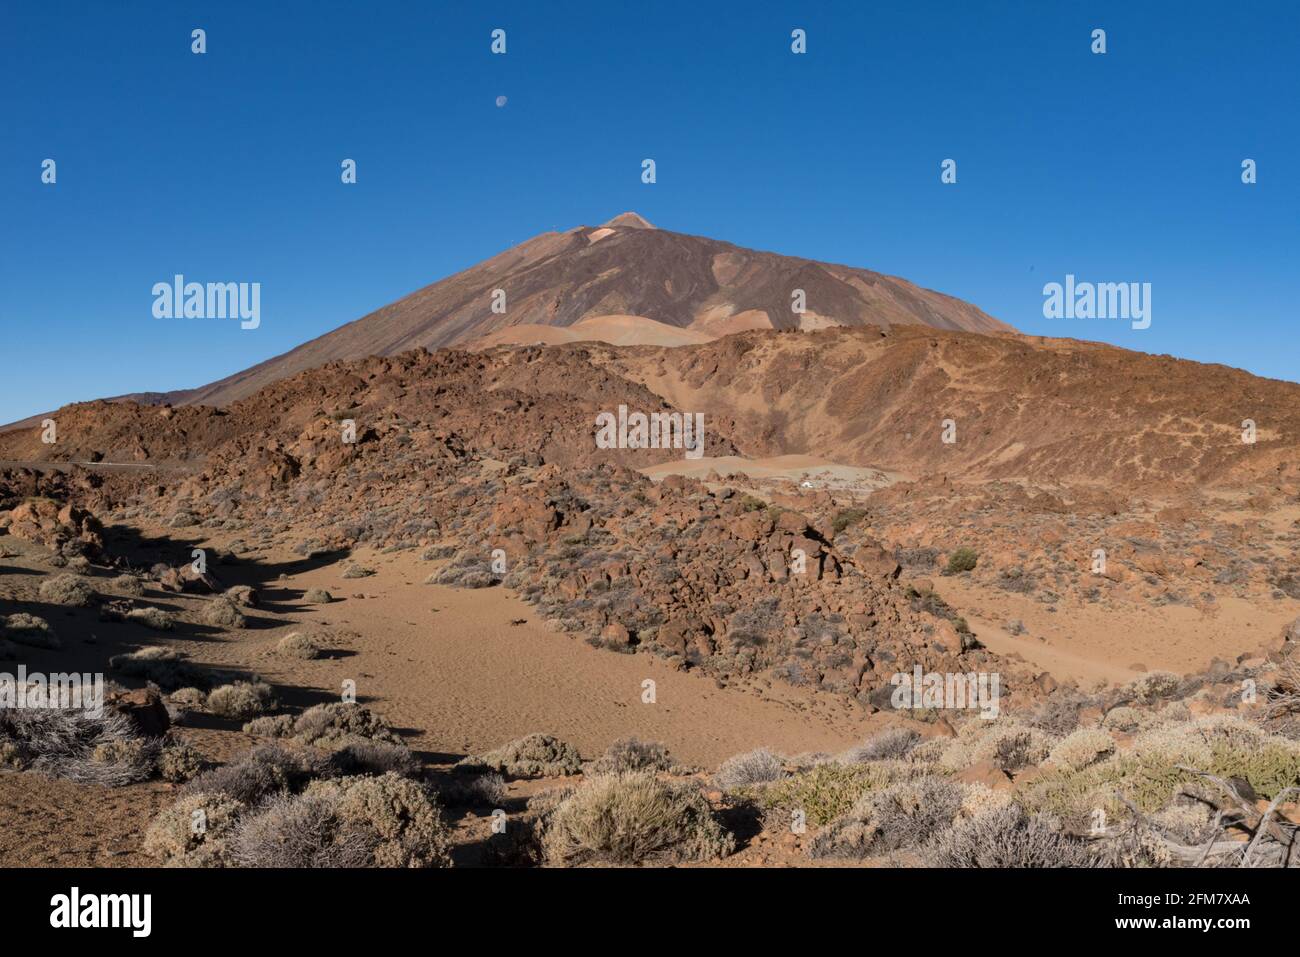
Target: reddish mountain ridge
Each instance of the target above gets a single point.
(625, 267)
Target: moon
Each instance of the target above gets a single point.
(501, 101)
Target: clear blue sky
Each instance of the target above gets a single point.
(1122, 167)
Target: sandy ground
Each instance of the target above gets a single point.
(1090, 643)
(817, 473)
(450, 663)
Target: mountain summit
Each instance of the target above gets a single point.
(628, 280)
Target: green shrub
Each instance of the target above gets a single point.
(961, 560)
(633, 819)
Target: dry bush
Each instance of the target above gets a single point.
(1008, 837)
(365, 756)
(243, 699)
(128, 585)
(336, 722)
(188, 699)
(300, 830)
(633, 819)
(629, 754)
(890, 744)
(243, 595)
(357, 571)
(1154, 685)
(67, 590)
(164, 667)
(151, 617)
(221, 612)
(906, 814)
(532, 756)
(408, 828)
(1081, 748)
(179, 762)
(265, 770)
(473, 790)
(194, 832)
(295, 645)
(1005, 740)
(317, 596)
(25, 629)
(75, 746)
(752, 767)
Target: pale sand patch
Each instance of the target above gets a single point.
(1088, 642)
(819, 473)
(448, 663)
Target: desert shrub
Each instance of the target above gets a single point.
(243, 595)
(365, 756)
(1081, 748)
(221, 612)
(434, 553)
(398, 814)
(243, 699)
(629, 754)
(1059, 713)
(265, 770)
(295, 645)
(183, 519)
(317, 596)
(1123, 718)
(166, 668)
(1149, 774)
(179, 762)
(1009, 837)
(128, 585)
(847, 517)
(978, 798)
(357, 571)
(188, 699)
(825, 792)
(271, 726)
(67, 590)
(194, 832)
(961, 560)
(77, 746)
(25, 629)
(759, 766)
(298, 831)
(151, 617)
(633, 818)
(929, 751)
(532, 756)
(473, 790)
(892, 743)
(1154, 685)
(1005, 742)
(906, 814)
(336, 722)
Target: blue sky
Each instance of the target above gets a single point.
(225, 166)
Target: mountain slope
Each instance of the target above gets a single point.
(626, 267)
